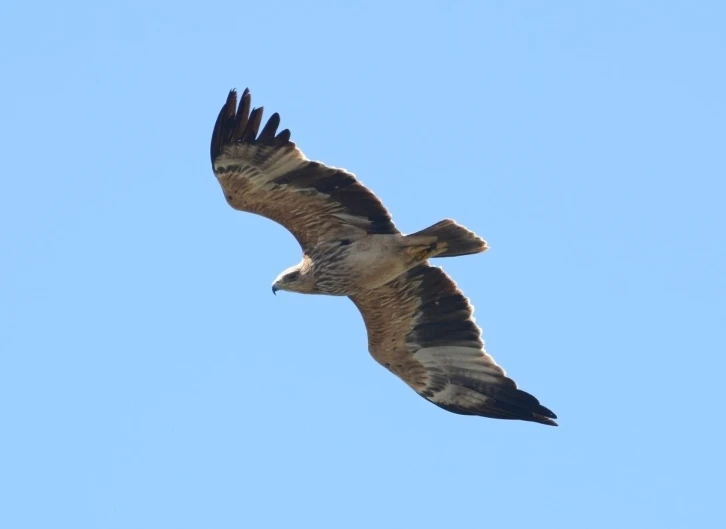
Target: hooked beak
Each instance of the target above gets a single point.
(275, 288)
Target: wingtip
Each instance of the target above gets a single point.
(546, 416)
(231, 100)
(545, 420)
(241, 124)
(221, 126)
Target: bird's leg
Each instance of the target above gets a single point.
(420, 253)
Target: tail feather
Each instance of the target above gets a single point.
(453, 239)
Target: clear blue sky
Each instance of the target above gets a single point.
(148, 377)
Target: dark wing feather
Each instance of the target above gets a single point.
(420, 327)
(268, 175)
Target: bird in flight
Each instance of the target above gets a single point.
(420, 326)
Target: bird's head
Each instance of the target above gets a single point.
(295, 279)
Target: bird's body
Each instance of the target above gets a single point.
(346, 267)
(420, 326)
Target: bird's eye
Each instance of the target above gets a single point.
(293, 276)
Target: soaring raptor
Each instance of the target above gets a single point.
(420, 326)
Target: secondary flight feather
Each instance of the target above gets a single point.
(420, 326)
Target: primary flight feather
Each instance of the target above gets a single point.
(420, 326)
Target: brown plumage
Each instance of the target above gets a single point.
(420, 326)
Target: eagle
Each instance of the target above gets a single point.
(420, 326)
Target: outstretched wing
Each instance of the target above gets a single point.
(265, 173)
(420, 327)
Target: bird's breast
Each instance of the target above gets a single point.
(347, 267)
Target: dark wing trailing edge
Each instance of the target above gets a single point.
(421, 327)
(263, 172)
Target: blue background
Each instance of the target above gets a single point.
(149, 379)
